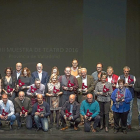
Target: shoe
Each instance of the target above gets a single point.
(101, 127)
(81, 123)
(75, 128)
(106, 130)
(11, 127)
(115, 131)
(129, 127)
(124, 131)
(64, 128)
(94, 130)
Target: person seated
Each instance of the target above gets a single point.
(7, 111)
(90, 110)
(23, 110)
(70, 112)
(40, 112)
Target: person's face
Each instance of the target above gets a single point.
(121, 85)
(109, 72)
(74, 64)
(8, 72)
(54, 79)
(21, 96)
(99, 68)
(4, 98)
(39, 68)
(18, 67)
(126, 72)
(83, 73)
(25, 73)
(39, 99)
(79, 72)
(54, 71)
(71, 99)
(37, 84)
(67, 71)
(103, 79)
(89, 99)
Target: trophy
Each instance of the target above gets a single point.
(55, 91)
(69, 85)
(84, 87)
(4, 113)
(88, 114)
(33, 91)
(9, 90)
(105, 90)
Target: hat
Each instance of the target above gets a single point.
(20, 83)
(9, 89)
(84, 86)
(70, 84)
(67, 113)
(105, 89)
(55, 90)
(23, 110)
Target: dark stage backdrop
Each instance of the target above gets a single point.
(54, 32)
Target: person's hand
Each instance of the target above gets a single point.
(90, 118)
(5, 117)
(65, 117)
(6, 92)
(2, 117)
(23, 87)
(70, 118)
(85, 117)
(26, 113)
(37, 113)
(17, 87)
(80, 90)
(100, 93)
(20, 113)
(117, 99)
(123, 100)
(126, 85)
(65, 88)
(71, 88)
(41, 115)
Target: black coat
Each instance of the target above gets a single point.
(75, 111)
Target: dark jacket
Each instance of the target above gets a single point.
(45, 77)
(137, 87)
(46, 111)
(75, 111)
(26, 104)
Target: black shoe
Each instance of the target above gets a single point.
(124, 131)
(106, 130)
(11, 127)
(115, 131)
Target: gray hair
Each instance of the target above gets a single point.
(83, 69)
(37, 79)
(126, 67)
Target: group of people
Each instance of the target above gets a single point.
(74, 98)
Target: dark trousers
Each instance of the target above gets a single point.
(122, 117)
(104, 110)
(87, 124)
(28, 120)
(77, 121)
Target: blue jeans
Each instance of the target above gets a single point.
(138, 104)
(129, 117)
(41, 122)
(11, 118)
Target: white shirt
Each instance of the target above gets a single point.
(84, 80)
(9, 107)
(109, 79)
(126, 81)
(18, 74)
(40, 75)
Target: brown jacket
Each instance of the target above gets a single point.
(26, 103)
(90, 88)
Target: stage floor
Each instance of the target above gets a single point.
(70, 134)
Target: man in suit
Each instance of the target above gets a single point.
(17, 72)
(86, 85)
(23, 109)
(70, 112)
(42, 75)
